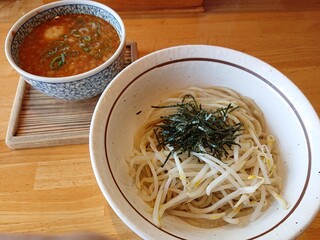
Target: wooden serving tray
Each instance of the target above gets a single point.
(152, 6)
(38, 120)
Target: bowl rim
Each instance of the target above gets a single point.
(101, 115)
(26, 17)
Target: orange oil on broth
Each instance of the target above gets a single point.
(68, 45)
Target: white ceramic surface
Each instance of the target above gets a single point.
(289, 116)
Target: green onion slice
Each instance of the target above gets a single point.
(58, 62)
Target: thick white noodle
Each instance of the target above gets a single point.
(198, 187)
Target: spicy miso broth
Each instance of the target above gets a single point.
(68, 45)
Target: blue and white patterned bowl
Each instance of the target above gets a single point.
(80, 86)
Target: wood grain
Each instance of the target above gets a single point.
(38, 120)
(152, 6)
(53, 190)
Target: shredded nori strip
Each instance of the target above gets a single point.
(193, 129)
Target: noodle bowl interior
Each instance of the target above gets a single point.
(205, 156)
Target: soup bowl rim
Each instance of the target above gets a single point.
(90, 73)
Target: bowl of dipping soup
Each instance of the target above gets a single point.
(68, 49)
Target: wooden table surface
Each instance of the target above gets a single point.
(53, 189)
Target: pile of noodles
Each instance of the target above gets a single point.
(199, 188)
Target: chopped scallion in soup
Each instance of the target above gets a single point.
(68, 45)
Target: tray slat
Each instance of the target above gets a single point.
(38, 120)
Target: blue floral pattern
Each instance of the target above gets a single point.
(83, 88)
